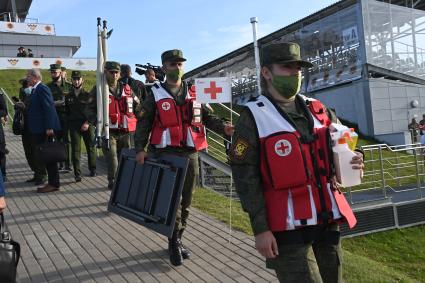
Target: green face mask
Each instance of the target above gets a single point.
(287, 86)
(175, 75)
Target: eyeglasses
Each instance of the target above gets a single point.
(76, 79)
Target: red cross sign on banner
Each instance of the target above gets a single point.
(213, 90)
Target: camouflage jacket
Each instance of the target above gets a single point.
(59, 92)
(81, 108)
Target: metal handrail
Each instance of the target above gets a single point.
(390, 171)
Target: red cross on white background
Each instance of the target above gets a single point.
(213, 90)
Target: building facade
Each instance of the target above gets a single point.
(369, 63)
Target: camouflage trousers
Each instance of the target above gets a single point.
(89, 140)
(315, 261)
(117, 141)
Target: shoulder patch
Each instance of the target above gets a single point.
(240, 148)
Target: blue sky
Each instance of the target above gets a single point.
(203, 29)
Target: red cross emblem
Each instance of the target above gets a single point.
(283, 147)
(166, 106)
(213, 90)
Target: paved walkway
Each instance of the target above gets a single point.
(68, 236)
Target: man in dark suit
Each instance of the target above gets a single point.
(43, 122)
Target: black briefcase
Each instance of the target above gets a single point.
(51, 151)
(10, 252)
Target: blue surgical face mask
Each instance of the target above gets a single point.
(28, 90)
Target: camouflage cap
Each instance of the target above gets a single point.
(174, 55)
(286, 52)
(63, 68)
(76, 74)
(55, 67)
(112, 66)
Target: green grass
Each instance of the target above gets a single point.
(391, 256)
(9, 81)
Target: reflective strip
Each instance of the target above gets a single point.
(335, 210)
(189, 141)
(165, 139)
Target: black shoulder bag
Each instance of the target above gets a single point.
(10, 252)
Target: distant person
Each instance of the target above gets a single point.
(422, 125)
(29, 149)
(63, 73)
(2, 193)
(30, 53)
(414, 130)
(81, 112)
(150, 76)
(21, 52)
(136, 86)
(43, 124)
(60, 89)
(3, 150)
(122, 102)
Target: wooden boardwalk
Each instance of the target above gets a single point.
(68, 236)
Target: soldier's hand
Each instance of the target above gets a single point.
(141, 156)
(229, 129)
(2, 204)
(357, 161)
(266, 244)
(84, 127)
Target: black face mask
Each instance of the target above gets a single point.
(56, 79)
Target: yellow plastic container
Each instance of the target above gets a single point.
(352, 141)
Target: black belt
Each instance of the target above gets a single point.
(308, 235)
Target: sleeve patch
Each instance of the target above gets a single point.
(240, 148)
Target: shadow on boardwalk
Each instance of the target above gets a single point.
(68, 236)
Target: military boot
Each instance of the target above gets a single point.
(185, 251)
(174, 250)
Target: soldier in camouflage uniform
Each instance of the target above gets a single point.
(60, 89)
(304, 251)
(81, 112)
(118, 139)
(136, 86)
(175, 89)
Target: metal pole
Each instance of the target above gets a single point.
(418, 180)
(381, 161)
(14, 13)
(254, 22)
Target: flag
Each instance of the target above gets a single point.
(213, 90)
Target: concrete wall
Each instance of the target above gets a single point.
(381, 108)
(46, 45)
(351, 102)
(392, 110)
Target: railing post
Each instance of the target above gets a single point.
(202, 173)
(397, 169)
(381, 162)
(418, 180)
